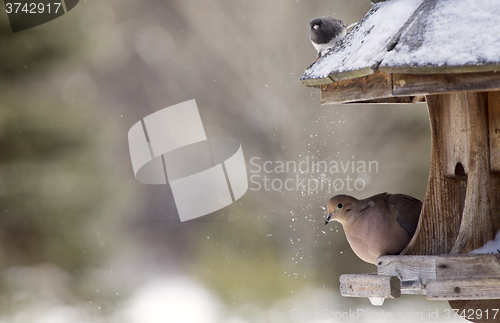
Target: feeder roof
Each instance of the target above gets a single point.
(415, 37)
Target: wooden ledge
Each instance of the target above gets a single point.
(382, 87)
(447, 277)
(440, 267)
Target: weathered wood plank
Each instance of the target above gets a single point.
(493, 195)
(370, 286)
(468, 266)
(408, 267)
(445, 277)
(476, 227)
(374, 86)
(316, 82)
(394, 99)
(425, 84)
(455, 131)
(440, 217)
(348, 75)
(463, 288)
(494, 129)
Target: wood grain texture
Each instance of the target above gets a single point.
(316, 82)
(441, 213)
(494, 129)
(463, 288)
(459, 134)
(493, 191)
(408, 267)
(468, 266)
(374, 86)
(439, 267)
(425, 84)
(476, 227)
(455, 132)
(394, 99)
(370, 286)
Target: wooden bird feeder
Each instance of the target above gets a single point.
(446, 53)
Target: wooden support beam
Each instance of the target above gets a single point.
(441, 212)
(494, 129)
(425, 84)
(370, 286)
(417, 272)
(374, 86)
(408, 267)
(480, 214)
(459, 135)
(468, 266)
(440, 267)
(463, 288)
(455, 132)
(387, 87)
(394, 99)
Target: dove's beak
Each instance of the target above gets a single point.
(329, 218)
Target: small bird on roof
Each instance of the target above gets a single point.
(325, 32)
(379, 225)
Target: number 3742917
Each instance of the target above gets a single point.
(471, 314)
(17, 7)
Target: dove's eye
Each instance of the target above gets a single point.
(339, 205)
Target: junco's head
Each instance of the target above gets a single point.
(325, 32)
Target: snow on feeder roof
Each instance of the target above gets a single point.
(415, 37)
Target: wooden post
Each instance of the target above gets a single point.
(494, 129)
(440, 217)
(481, 209)
(465, 139)
(460, 132)
(367, 285)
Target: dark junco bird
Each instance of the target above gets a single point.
(325, 32)
(379, 225)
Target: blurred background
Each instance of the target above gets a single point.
(82, 241)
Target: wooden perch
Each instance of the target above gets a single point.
(457, 277)
(368, 285)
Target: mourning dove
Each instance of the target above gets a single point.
(379, 225)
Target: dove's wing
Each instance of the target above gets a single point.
(408, 209)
